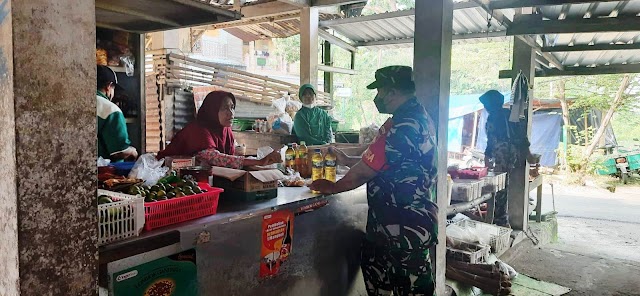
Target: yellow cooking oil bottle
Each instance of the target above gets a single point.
(330, 166)
(317, 166)
(290, 157)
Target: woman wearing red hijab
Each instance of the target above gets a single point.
(209, 138)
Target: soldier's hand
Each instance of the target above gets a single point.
(323, 186)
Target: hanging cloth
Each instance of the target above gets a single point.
(519, 97)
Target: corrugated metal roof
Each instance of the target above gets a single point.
(396, 29)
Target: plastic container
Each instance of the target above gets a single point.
(499, 236)
(494, 182)
(167, 212)
(468, 252)
(466, 190)
(123, 168)
(121, 219)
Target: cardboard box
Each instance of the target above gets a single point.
(174, 275)
(235, 195)
(247, 181)
(178, 162)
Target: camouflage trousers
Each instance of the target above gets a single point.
(397, 271)
(501, 212)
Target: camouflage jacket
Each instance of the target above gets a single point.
(402, 213)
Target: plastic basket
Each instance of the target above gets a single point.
(468, 252)
(494, 183)
(499, 236)
(167, 212)
(466, 190)
(121, 219)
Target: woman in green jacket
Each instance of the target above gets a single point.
(312, 124)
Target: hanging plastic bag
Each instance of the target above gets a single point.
(129, 64)
(281, 121)
(149, 169)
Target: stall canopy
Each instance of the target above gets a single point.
(569, 37)
(140, 16)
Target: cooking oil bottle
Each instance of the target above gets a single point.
(301, 160)
(330, 166)
(317, 166)
(290, 157)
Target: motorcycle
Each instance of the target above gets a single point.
(620, 163)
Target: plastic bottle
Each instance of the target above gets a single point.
(330, 166)
(317, 166)
(290, 157)
(301, 160)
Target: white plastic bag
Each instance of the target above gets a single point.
(103, 162)
(149, 169)
(281, 121)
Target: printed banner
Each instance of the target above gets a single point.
(277, 237)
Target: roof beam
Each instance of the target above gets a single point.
(297, 3)
(581, 70)
(326, 68)
(146, 16)
(536, 26)
(337, 41)
(210, 8)
(548, 56)
(595, 47)
(335, 2)
(350, 20)
(505, 4)
(268, 9)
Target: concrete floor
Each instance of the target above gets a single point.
(598, 252)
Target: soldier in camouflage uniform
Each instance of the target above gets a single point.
(399, 168)
(507, 145)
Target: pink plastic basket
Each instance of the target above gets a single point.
(167, 212)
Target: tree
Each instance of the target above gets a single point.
(288, 48)
(618, 101)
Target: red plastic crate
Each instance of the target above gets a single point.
(167, 212)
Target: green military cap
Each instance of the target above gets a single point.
(400, 77)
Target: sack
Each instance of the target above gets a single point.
(149, 169)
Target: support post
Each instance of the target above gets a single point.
(518, 193)
(432, 72)
(48, 208)
(328, 76)
(309, 45)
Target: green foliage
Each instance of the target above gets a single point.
(289, 48)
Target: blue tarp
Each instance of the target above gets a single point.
(545, 134)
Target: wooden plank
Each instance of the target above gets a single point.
(532, 26)
(506, 4)
(595, 47)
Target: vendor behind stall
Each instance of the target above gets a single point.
(507, 144)
(209, 138)
(312, 124)
(113, 139)
(399, 168)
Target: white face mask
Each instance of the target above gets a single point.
(310, 106)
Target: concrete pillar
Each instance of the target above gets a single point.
(432, 73)
(518, 193)
(9, 276)
(309, 46)
(47, 157)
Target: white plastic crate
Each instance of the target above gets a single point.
(500, 237)
(121, 219)
(468, 252)
(466, 189)
(494, 182)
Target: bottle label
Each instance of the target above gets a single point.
(318, 164)
(289, 157)
(330, 163)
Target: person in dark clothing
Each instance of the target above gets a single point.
(507, 145)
